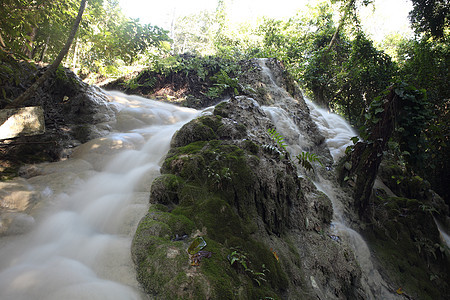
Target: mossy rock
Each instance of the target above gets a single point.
(207, 128)
(221, 110)
(230, 170)
(164, 267)
(164, 190)
(324, 208)
(406, 242)
(206, 189)
(215, 164)
(200, 129)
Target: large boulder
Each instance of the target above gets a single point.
(74, 113)
(266, 230)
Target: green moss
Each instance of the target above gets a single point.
(201, 129)
(251, 147)
(165, 189)
(213, 122)
(226, 230)
(162, 274)
(401, 261)
(205, 187)
(9, 173)
(221, 109)
(218, 269)
(201, 132)
(159, 268)
(214, 163)
(180, 161)
(404, 242)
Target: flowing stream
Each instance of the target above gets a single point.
(90, 205)
(337, 133)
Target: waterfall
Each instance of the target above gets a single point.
(89, 207)
(336, 130)
(337, 133)
(445, 238)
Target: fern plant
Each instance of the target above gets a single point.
(278, 138)
(305, 159)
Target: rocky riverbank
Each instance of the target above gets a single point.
(74, 113)
(233, 214)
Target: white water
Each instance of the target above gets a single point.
(334, 128)
(445, 238)
(337, 133)
(90, 205)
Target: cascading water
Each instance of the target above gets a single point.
(445, 238)
(90, 206)
(338, 134)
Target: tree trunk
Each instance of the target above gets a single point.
(45, 48)
(336, 33)
(2, 44)
(32, 89)
(347, 9)
(75, 50)
(27, 48)
(366, 157)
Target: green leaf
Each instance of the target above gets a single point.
(399, 92)
(379, 110)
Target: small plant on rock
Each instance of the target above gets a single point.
(305, 159)
(240, 260)
(278, 138)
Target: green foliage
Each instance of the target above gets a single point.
(430, 16)
(240, 260)
(144, 79)
(278, 138)
(409, 114)
(413, 119)
(216, 68)
(24, 21)
(346, 77)
(222, 83)
(305, 159)
(424, 63)
(220, 176)
(214, 76)
(429, 209)
(105, 41)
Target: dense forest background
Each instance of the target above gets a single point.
(323, 47)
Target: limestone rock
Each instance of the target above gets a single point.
(220, 179)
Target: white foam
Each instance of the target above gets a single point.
(80, 247)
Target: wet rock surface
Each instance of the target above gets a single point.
(226, 180)
(74, 113)
(405, 237)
